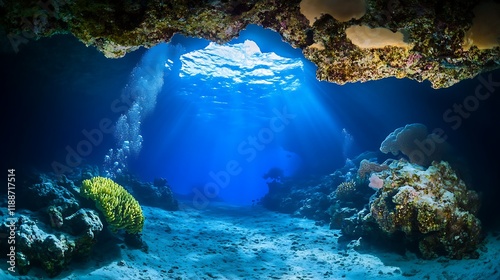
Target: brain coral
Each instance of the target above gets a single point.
(119, 207)
(432, 207)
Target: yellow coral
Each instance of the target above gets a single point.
(119, 207)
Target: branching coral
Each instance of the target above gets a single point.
(345, 190)
(119, 207)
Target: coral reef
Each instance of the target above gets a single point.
(435, 41)
(302, 199)
(314, 206)
(118, 206)
(283, 197)
(42, 191)
(341, 10)
(55, 216)
(484, 32)
(415, 142)
(345, 190)
(366, 167)
(320, 197)
(432, 207)
(84, 222)
(51, 229)
(38, 244)
(409, 207)
(274, 174)
(156, 194)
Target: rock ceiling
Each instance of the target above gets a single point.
(443, 42)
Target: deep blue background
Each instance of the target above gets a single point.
(56, 87)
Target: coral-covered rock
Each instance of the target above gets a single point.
(366, 167)
(430, 206)
(410, 140)
(55, 216)
(41, 191)
(156, 194)
(314, 207)
(37, 244)
(442, 42)
(315, 198)
(84, 222)
(283, 197)
(340, 215)
(346, 190)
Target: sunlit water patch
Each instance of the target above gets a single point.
(225, 79)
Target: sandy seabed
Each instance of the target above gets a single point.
(229, 242)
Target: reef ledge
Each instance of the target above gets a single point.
(442, 42)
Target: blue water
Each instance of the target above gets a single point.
(214, 119)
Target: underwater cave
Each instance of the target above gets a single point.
(257, 140)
